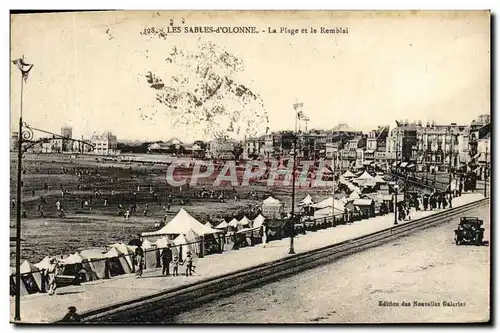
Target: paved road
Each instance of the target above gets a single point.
(423, 267)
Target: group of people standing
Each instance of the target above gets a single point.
(435, 201)
(167, 260)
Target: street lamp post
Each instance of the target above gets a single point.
(17, 312)
(292, 218)
(297, 108)
(25, 135)
(396, 187)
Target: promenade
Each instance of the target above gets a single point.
(42, 308)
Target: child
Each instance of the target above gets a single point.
(189, 264)
(175, 266)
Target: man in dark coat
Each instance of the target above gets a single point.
(166, 258)
(425, 201)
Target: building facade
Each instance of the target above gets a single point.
(104, 143)
(67, 133)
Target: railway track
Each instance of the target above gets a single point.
(168, 303)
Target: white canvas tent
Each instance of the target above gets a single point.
(362, 202)
(92, 254)
(125, 249)
(245, 222)
(208, 225)
(75, 258)
(180, 243)
(163, 242)
(146, 243)
(222, 225)
(379, 180)
(271, 202)
(27, 267)
(354, 195)
(364, 176)
(233, 223)
(325, 212)
(33, 271)
(44, 263)
(348, 174)
(258, 221)
(182, 223)
(306, 201)
(271, 207)
(328, 202)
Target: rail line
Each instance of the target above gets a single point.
(160, 306)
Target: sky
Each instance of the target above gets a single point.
(89, 69)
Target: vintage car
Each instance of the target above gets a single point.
(469, 231)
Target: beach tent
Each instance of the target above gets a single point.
(209, 225)
(76, 263)
(194, 242)
(127, 250)
(150, 257)
(245, 222)
(181, 247)
(343, 200)
(328, 202)
(233, 223)
(31, 277)
(348, 174)
(367, 182)
(379, 180)
(324, 203)
(354, 195)
(163, 242)
(117, 264)
(306, 201)
(271, 207)
(146, 243)
(364, 176)
(97, 262)
(366, 206)
(13, 283)
(183, 223)
(44, 263)
(258, 221)
(222, 225)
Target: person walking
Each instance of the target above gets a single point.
(166, 258)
